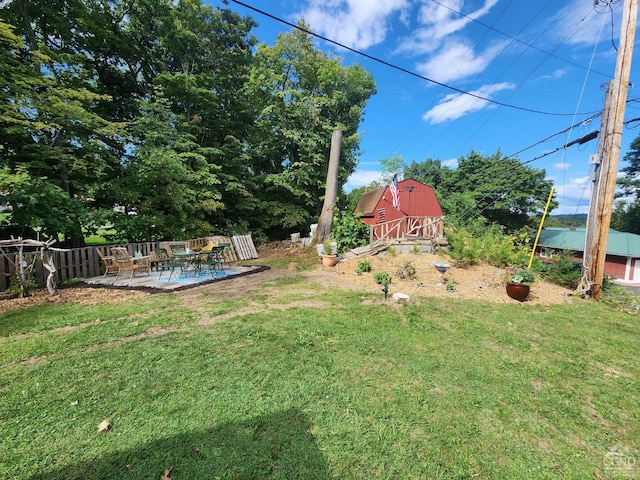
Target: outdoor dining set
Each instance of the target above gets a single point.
(180, 259)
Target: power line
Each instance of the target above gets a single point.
(402, 69)
(550, 54)
(582, 140)
(502, 172)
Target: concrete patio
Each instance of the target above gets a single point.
(153, 280)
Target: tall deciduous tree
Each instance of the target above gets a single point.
(245, 136)
(505, 191)
(168, 188)
(209, 57)
(301, 96)
(430, 172)
(630, 179)
(482, 189)
(52, 141)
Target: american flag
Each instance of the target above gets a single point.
(394, 192)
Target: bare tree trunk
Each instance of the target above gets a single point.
(22, 278)
(325, 222)
(47, 262)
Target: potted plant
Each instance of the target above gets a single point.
(519, 283)
(328, 257)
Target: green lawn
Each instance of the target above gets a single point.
(290, 384)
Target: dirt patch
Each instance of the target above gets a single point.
(482, 282)
(77, 294)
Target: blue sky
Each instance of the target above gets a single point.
(552, 56)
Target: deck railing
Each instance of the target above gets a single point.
(407, 227)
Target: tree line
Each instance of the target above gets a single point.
(165, 119)
(481, 191)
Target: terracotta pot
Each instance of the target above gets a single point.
(329, 260)
(518, 292)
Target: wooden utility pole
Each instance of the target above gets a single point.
(592, 218)
(601, 205)
(325, 222)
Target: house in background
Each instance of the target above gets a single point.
(418, 215)
(623, 250)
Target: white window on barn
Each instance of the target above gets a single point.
(381, 215)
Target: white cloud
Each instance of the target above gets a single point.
(358, 24)
(457, 105)
(451, 163)
(457, 60)
(580, 23)
(562, 166)
(555, 75)
(575, 188)
(438, 23)
(361, 178)
(572, 195)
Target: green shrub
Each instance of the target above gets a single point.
(564, 270)
(501, 250)
(407, 270)
(349, 231)
(364, 266)
(463, 247)
(382, 278)
(493, 247)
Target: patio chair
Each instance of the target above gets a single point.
(178, 248)
(128, 264)
(212, 260)
(159, 257)
(173, 264)
(226, 254)
(108, 263)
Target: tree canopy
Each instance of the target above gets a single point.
(485, 190)
(164, 119)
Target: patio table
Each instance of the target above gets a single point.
(190, 259)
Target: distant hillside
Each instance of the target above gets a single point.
(576, 220)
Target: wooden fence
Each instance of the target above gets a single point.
(85, 262)
(73, 263)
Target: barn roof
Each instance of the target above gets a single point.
(619, 243)
(368, 201)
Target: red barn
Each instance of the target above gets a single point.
(418, 214)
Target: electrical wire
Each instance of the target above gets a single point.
(506, 173)
(567, 144)
(582, 90)
(582, 140)
(529, 75)
(550, 54)
(402, 69)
